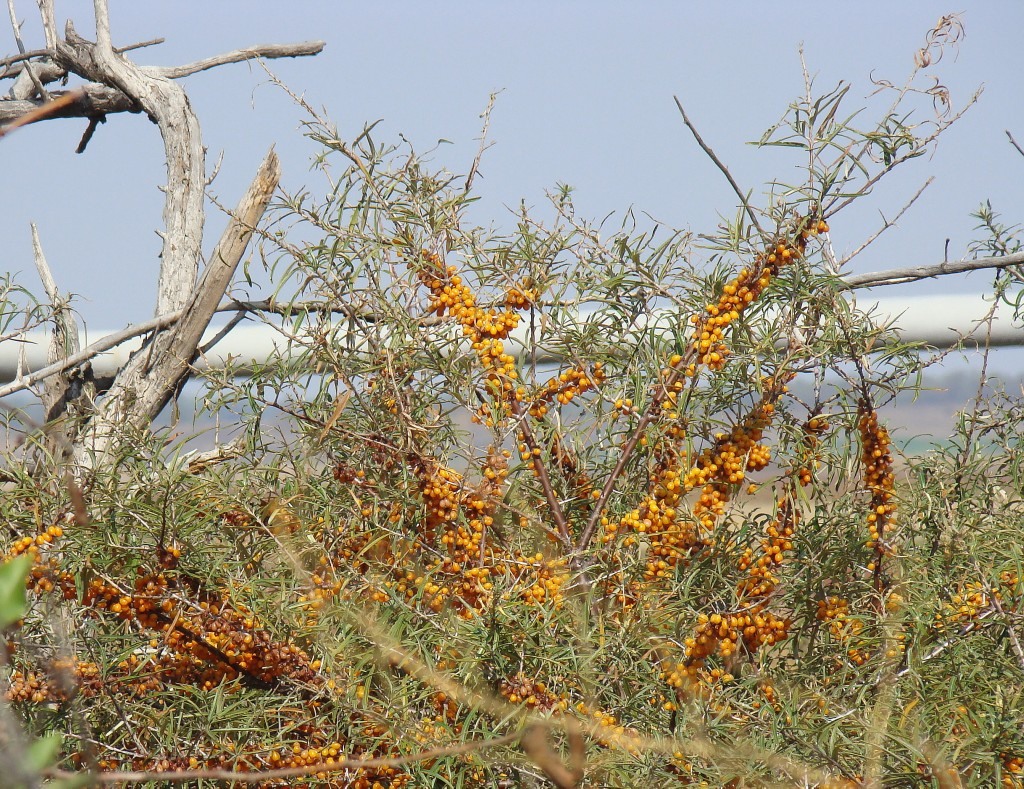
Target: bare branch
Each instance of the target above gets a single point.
(41, 53)
(720, 165)
(21, 48)
(1014, 143)
(106, 100)
(474, 168)
(63, 342)
(886, 224)
(898, 276)
(166, 104)
(303, 49)
(109, 341)
(49, 20)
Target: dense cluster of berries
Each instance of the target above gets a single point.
(720, 467)
(295, 755)
(878, 477)
(455, 555)
(547, 579)
(566, 387)
(845, 629)
(63, 680)
(760, 566)
(441, 490)
(307, 755)
(725, 634)
(672, 535)
(486, 329)
(205, 644)
(1013, 771)
(964, 607)
(709, 327)
(45, 574)
(521, 297)
(32, 545)
(532, 694)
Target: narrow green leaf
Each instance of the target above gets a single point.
(12, 590)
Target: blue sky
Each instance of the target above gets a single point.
(586, 100)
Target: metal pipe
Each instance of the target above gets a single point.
(939, 321)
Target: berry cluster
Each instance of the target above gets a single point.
(673, 536)
(485, 328)
(1013, 771)
(204, 644)
(879, 479)
(965, 606)
(566, 387)
(63, 680)
(709, 327)
(843, 627)
(532, 694)
(761, 580)
(521, 297)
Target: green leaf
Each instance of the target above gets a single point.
(42, 752)
(12, 590)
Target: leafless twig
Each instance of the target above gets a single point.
(1014, 143)
(21, 48)
(303, 49)
(720, 165)
(483, 144)
(898, 276)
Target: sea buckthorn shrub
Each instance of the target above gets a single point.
(631, 488)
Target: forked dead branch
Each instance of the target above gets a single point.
(114, 84)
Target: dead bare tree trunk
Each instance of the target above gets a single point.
(144, 386)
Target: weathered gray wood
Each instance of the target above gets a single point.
(64, 341)
(96, 100)
(115, 84)
(147, 382)
(165, 102)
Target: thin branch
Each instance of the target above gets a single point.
(720, 165)
(21, 48)
(49, 20)
(886, 224)
(302, 49)
(474, 169)
(20, 58)
(550, 496)
(898, 276)
(1018, 650)
(64, 339)
(40, 53)
(1014, 143)
(109, 341)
